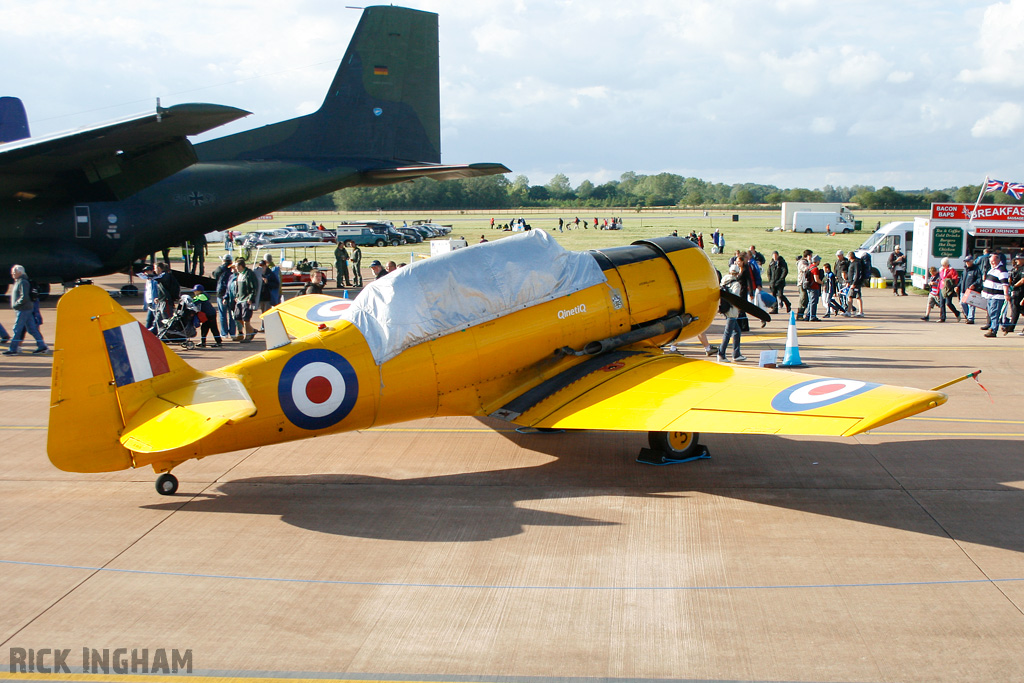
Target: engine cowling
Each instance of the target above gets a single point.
(663, 278)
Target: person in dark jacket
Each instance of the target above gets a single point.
(778, 270)
(167, 288)
(898, 267)
(357, 263)
(341, 265)
(222, 276)
(1016, 293)
(206, 315)
(854, 278)
(245, 300)
(971, 280)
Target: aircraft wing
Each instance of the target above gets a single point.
(641, 390)
(386, 176)
(110, 161)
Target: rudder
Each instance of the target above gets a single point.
(383, 104)
(105, 367)
(13, 120)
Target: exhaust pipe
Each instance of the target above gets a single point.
(655, 329)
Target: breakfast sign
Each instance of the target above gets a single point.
(987, 219)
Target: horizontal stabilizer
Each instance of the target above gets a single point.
(187, 414)
(303, 315)
(385, 176)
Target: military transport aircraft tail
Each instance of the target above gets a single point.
(384, 102)
(13, 121)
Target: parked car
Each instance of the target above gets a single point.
(412, 235)
(369, 234)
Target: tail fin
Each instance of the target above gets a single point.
(384, 102)
(13, 121)
(120, 398)
(105, 367)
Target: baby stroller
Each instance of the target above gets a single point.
(840, 302)
(179, 327)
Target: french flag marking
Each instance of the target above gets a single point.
(135, 354)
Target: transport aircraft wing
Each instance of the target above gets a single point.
(111, 160)
(636, 389)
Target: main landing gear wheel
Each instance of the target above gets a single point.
(670, 448)
(166, 484)
(676, 445)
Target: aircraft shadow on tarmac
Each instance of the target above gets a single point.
(14, 368)
(949, 488)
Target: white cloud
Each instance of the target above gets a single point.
(822, 125)
(1000, 43)
(497, 39)
(712, 88)
(799, 74)
(857, 70)
(1004, 122)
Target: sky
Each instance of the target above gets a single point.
(792, 93)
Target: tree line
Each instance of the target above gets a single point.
(630, 190)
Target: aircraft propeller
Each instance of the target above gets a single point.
(746, 306)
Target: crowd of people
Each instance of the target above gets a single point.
(824, 290)
(992, 282)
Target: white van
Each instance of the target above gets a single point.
(816, 221)
(883, 242)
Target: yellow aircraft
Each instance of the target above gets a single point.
(518, 329)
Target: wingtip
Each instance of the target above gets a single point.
(925, 400)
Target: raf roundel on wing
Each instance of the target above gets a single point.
(317, 389)
(818, 393)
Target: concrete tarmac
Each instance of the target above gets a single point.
(458, 550)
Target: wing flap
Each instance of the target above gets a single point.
(187, 414)
(667, 392)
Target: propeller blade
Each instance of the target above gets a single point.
(746, 306)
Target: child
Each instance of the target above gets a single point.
(931, 284)
(828, 288)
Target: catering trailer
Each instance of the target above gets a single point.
(954, 230)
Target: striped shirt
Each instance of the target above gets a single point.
(995, 281)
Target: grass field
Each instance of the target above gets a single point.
(751, 228)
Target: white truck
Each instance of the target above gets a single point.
(883, 242)
(822, 221)
(790, 208)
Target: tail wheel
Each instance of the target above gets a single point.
(166, 484)
(676, 445)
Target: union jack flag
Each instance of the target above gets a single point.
(1015, 190)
